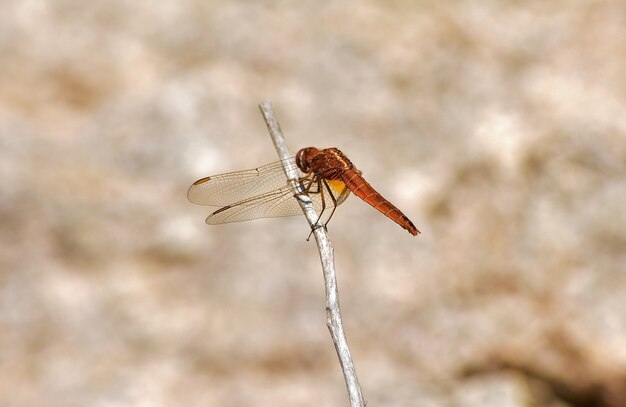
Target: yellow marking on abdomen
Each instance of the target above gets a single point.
(336, 185)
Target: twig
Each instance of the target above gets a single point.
(333, 316)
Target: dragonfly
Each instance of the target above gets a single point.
(327, 175)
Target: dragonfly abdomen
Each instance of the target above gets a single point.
(361, 188)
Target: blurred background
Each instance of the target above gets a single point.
(498, 127)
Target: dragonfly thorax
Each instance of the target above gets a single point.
(329, 163)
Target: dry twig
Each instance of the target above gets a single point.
(333, 316)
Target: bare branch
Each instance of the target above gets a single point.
(333, 315)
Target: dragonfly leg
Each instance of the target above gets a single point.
(319, 189)
(313, 181)
(307, 183)
(332, 197)
(308, 189)
(316, 226)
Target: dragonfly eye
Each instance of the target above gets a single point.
(303, 159)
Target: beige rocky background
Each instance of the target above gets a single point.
(499, 127)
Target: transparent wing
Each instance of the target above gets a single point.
(277, 203)
(224, 189)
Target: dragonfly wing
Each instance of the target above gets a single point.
(273, 204)
(277, 203)
(339, 190)
(224, 189)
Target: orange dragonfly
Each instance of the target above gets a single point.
(328, 177)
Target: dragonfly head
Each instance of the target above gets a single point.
(303, 158)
